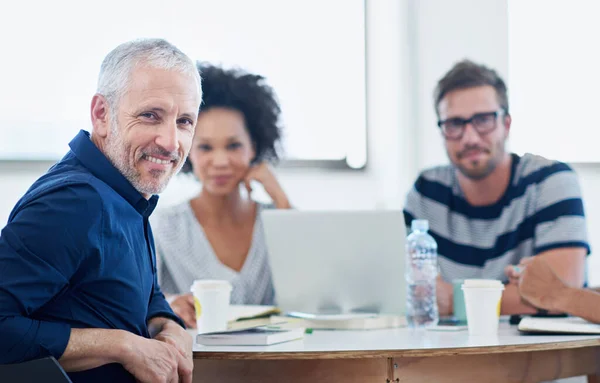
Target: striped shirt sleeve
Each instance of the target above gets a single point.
(559, 217)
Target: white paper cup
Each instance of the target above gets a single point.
(482, 301)
(211, 299)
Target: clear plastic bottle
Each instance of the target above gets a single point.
(421, 274)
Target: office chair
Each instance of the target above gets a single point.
(46, 370)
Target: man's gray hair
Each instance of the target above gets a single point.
(117, 66)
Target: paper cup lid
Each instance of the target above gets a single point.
(482, 284)
(210, 284)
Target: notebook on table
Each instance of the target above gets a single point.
(569, 325)
(253, 336)
(249, 312)
(245, 316)
(344, 321)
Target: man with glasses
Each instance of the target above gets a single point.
(489, 208)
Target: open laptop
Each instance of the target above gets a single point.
(337, 262)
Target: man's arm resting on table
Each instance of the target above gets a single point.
(568, 263)
(75, 349)
(146, 359)
(91, 348)
(512, 302)
(583, 303)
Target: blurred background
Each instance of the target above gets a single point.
(355, 79)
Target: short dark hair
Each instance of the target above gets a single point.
(467, 74)
(250, 95)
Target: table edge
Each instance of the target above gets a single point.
(370, 354)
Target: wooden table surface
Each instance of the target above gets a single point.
(403, 355)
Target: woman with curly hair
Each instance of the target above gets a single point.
(218, 234)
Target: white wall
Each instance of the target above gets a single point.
(391, 166)
(410, 44)
(447, 32)
(15, 178)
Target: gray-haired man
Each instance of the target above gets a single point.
(77, 255)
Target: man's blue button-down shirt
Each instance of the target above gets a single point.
(77, 252)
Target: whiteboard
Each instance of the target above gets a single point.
(554, 73)
(311, 51)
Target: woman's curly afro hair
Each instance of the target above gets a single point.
(250, 95)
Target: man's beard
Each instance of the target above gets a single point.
(118, 153)
(478, 174)
(481, 173)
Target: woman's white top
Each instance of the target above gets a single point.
(184, 254)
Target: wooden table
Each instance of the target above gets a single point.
(403, 355)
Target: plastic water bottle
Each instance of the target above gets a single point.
(421, 274)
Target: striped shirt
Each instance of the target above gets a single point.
(540, 210)
(184, 254)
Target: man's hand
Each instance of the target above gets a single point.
(444, 294)
(183, 307)
(174, 335)
(150, 360)
(513, 273)
(540, 286)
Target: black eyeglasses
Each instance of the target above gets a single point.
(484, 123)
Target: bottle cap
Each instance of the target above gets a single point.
(420, 225)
